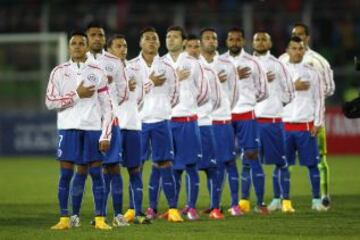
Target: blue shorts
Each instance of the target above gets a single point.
(187, 143)
(272, 143)
(80, 147)
(246, 133)
(306, 146)
(113, 155)
(131, 148)
(158, 136)
(208, 146)
(225, 142)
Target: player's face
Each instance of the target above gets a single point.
(174, 41)
(78, 47)
(296, 51)
(119, 48)
(192, 47)
(209, 41)
(261, 42)
(299, 31)
(96, 38)
(235, 42)
(149, 43)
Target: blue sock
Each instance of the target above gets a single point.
(285, 182)
(136, 186)
(168, 184)
(245, 180)
(131, 199)
(258, 179)
(154, 187)
(63, 190)
(314, 174)
(221, 177)
(98, 189)
(193, 185)
(233, 177)
(213, 187)
(77, 192)
(107, 181)
(177, 178)
(117, 193)
(276, 182)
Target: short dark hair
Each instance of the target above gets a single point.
(207, 29)
(263, 32)
(112, 38)
(237, 29)
(295, 39)
(95, 25)
(191, 36)
(306, 28)
(178, 29)
(147, 29)
(78, 33)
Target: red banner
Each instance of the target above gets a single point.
(343, 134)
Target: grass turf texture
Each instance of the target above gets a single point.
(28, 207)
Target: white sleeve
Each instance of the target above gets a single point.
(330, 90)
(287, 85)
(319, 98)
(327, 76)
(121, 83)
(233, 85)
(106, 109)
(201, 84)
(173, 84)
(216, 94)
(55, 99)
(260, 82)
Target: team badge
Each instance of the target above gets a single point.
(59, 152)
(109, 68)
(92, 78)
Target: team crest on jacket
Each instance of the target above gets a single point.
(109, 68)
(92, 78)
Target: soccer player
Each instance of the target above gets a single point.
(174, 44)
(268, 115)
(161, 95)
(208, 163)
(75, 90)
(304, 116)
(322, 65)
(221, 117)
(253, 86)
(130, 125)
(118, 90)
(194, 92)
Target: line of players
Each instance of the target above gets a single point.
(189, 110)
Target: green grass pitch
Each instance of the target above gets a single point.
(28, 207)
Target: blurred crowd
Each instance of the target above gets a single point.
(335, 25)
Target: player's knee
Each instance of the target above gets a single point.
(66, 165)
(95, 164)
(134, 170)
(164, 164)
(81, 169)
(251, 154)
(111, 168)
